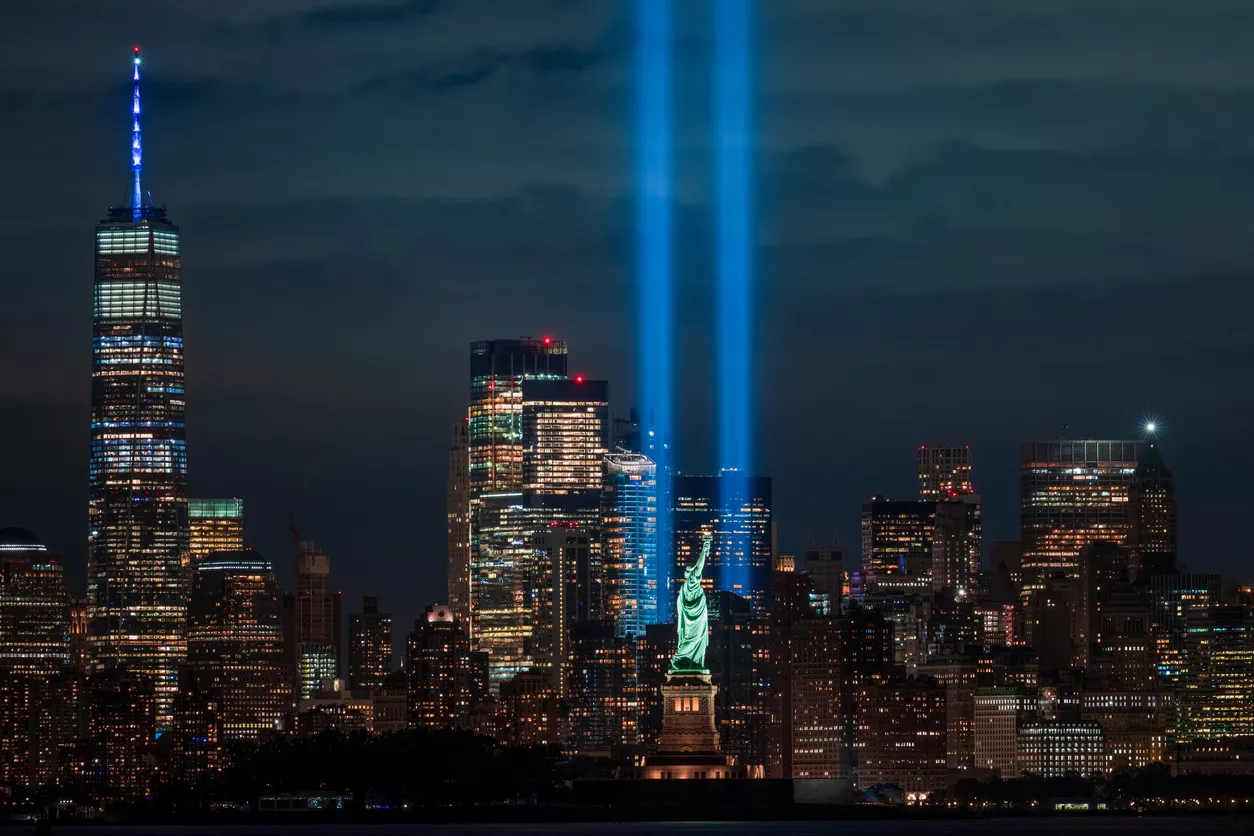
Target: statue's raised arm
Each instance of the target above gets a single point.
(693, 621)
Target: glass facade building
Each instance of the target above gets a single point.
(235, 646)
(630, 533)
(737, 510)
(34, 606)
(138, 540)
(215, 525)
(1071, 492)
(500, 556)
(897, 537)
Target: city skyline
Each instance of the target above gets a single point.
(738, 465)
(306, 472)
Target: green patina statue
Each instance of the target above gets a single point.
(694, 630)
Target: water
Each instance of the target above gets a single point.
(1219, 825)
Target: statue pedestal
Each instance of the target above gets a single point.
(688, 747)
(688, 716)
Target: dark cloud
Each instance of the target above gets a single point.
(977, 221)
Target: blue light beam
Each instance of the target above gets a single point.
(653, 223)
(734, 264)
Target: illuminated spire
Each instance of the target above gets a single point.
(137, 147)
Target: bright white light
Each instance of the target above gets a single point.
(1151, 427)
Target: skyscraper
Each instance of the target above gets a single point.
(369, 646)
(739, 515)
(897, 537)
(313, 635)
(34, 606)
(495, 437)
(459, 523)
(1071, 492)
(138, 542)
(216, 525)
(499, 555)
(36, 689)
(957, 542)
(438, 665)
(235, 652)
(1152, 513)
(944, 472)
(629, 514)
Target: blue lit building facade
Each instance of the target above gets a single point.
(138, 541)
(631, 542)
(737, 509)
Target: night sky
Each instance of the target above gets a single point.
(976, 221)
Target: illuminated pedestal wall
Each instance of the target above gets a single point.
(688, 747)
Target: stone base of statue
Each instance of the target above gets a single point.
(688, 747)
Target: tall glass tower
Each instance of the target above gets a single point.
(138, 541)
(498, 554)
(629, 506)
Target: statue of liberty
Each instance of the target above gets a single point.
(694, 631)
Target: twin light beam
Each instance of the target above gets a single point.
(733, 262)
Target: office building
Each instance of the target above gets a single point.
(35, 660)
(739, 659)
(901, 738)
(957, 543)
(1152, 513)
(1176, 600)
(534, 713)
(944, 472)
(1055, 748)
(1071, 492)
(897, 538)
(236, 654)
(138, 541)
(332, 705)
(1216, 700)
(1133, 723)
(369, 646)
(737, 510)
(498, 369)
(438, 663)
(654, 649)
(630, 542)
(34, 606)
(816, 736)
(998, 712)
(113, 759)
(458, 522)
(826, 570)
(215, 525)
(499, 554)
(314, 631)
(563, 596)
(602, 690)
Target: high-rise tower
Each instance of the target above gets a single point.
(138, 542)
(1152, 513)
(630, 519)
(458, 510)
(944, 472)
(499, 555)
(1071, 492)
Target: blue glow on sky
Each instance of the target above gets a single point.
(653, 223)
(734, 255)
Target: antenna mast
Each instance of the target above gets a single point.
(137, 147)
